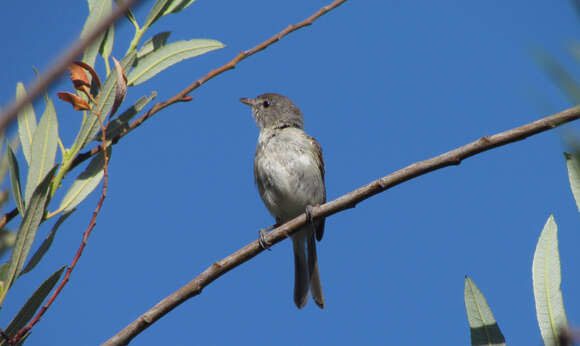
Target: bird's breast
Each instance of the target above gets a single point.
(287, 175)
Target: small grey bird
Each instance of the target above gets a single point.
(289, 173)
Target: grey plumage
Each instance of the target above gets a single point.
(289, 174)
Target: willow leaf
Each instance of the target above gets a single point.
(546, 280)
(44, 146)
(33, 303)
(26, 123)
(167, 56)
(484, 328)
(85, 183)
(15, 179)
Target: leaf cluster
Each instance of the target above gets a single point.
(33, 192)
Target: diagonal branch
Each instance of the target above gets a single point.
(232, 64)
(57, 69)
(182, 95)
(350, 200)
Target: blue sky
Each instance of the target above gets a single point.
(382, 84)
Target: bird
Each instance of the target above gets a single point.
(289, 175)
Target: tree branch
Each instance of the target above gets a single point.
(182, 95)
(350, 200)
(57, 69)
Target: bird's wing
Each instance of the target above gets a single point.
(320, 163)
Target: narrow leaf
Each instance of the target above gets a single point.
(484, 328)
(153, 44)
(41, 251)
(26, 123)
(4, 276)
(129, 14)
(121, 123)
(78, 76)
(156, 12)
(98, 10)
(121, 89)
(91, 124)
(15, 179)
(44, 146)
(547, 279)
(33, 303)
(76, 101)
(177, 6)
(86, 182)
(7, 240)
(107, 44)
(573, 165)
(14, 144)
(95, 77)
(169, 55)
(28, 227)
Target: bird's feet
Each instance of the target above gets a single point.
(262, 237)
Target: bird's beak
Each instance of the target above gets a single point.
(248, 101)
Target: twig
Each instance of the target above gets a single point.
(450, 158)
(182, 95)
(79, 252)
(232, 64)
(62, 64)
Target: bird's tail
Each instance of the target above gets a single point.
(301, 277)
(306, 274)
(315, 284)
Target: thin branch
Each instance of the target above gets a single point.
(79, 252)
(57, 69)
(232, 64)
(182, 96)
(350, 200)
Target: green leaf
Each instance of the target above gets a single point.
(177, 6)
(91, 125)
(121, 123)
(33, 303)
(129, 14)
(156, 12)
(7, 240)
(26, 123)
(4, 270)
(573, 165)
(547, 279)
(107, 44)
(98, 10)
(484, 328)
(44, 146)
(153, 44)
(27, 231)
(41, 251)
(86, 182)
(15, 179)
(169, 55)
(4, 164)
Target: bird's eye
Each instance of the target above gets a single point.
(266, 104)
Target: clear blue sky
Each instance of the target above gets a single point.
(382, 84)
